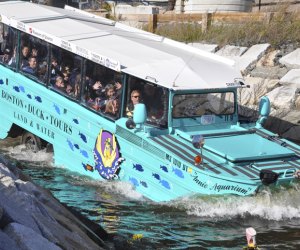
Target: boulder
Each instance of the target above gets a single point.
(291, 78)
(28, 239)
(6, 243)
(251, 56)
(291, 60)
(282, 97)
(258, 88)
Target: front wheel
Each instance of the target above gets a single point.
(31, 142)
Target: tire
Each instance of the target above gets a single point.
(32, 142)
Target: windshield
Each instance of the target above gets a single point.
(190, 105)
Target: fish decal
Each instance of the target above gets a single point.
(164, 168)
(88, 167)
(29, 96)
(144, 184)
(84, 153)
(75, 121)
(57, 109)
(38, 98)
(22, 89)
(16, 88)
(83, 137)
(178, 172)
(134, 181)
(70, 144)
(76, 146)
(138, 167)
(106, 154)
(165, 184)
(156, 176)
(1, 82)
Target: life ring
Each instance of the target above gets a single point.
(297, 174)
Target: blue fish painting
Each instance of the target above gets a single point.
(1, 82)
(178, 172)
(144, 184)
(76, 146)
(16, 88)
(156, 176)
(83, 137)
(29, 96)
(134, 181)
(22, 88)
(70, 144)
(38, 98)
(164, 168)
(165, 184)
(57, 109)
(84, 153)
(75, 121)
(138, 167)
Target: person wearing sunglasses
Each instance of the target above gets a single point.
(135, 98)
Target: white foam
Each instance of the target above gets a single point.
(276, 205)
(21, 153)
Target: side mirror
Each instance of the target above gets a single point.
(139, 114)
(264, 106)
(264, 110)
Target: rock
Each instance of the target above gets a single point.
(292, 134)
(291, 60)
(292, 78)
(6, 243)
(206, 47)
(16, 213)
(27, 239)
(232, 52)
(282, 97)
(269, 59)
(275, 72)
(251, 56)
(258, 88)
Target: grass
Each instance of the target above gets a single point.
(284, 28)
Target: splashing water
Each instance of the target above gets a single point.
(200, 222)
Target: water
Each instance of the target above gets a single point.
(202, 222)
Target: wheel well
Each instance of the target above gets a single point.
(15, 131)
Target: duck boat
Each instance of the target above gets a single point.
(185, 139)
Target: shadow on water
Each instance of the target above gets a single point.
(198, 222)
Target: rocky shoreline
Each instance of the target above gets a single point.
(31, 218)
(272, 72)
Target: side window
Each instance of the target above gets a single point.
(8, 40)
(103, 90)
(65, 72)
(33, 59)
(153, 96)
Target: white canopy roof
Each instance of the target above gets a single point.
(145, 55)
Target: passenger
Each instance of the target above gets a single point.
(59, 84)
(66, 75)
(112, 107)
(25, 56)
(135, 98)
(118, 88)
(55, 70)
(42, 71)
(31, 68)
(13, 62)
(109, 95)
(6, 57)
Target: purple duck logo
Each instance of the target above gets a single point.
(107, 156)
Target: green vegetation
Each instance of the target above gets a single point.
(282, 28)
